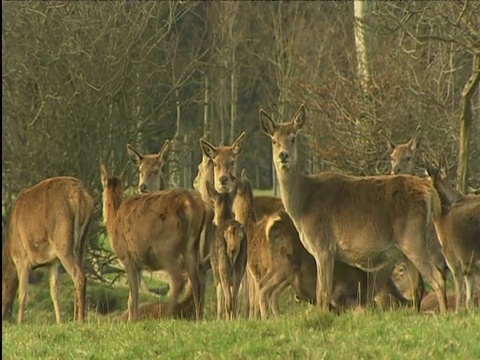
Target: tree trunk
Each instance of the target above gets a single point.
(465, 125)
(363, 41)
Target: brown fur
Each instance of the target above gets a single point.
(224, 161)
(48, 226)
(430, 304)
(184, 310)
(228, 254)
(458, 229)
(155, 231)
(369, 222)
(401, 155)
(219, 167)
(405, 275)
(267, 205)
(150, 166)
(277, 259)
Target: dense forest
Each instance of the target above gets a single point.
(83, 79)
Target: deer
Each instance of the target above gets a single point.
(228, 252)
(184, 310)
(158, 230)
(402, 155)
(458, 229)
(277, 259)
(150, 166)
(368, 222)
(218, 165)
(48, 226)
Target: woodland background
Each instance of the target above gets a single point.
(83, 79)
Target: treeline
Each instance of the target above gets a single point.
(83, 79)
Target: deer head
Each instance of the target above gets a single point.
(150, 166)
(401, 155)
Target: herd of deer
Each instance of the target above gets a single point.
(338, 240)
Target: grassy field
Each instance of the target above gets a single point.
(301, 333)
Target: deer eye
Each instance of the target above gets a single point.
(292, 139)
(274, 142)
(409, 158)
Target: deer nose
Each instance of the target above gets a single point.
(396, 170)
(223, 179)
(142, 187)
(283, 156)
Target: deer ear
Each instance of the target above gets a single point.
(429, 166)
(391, 146)
(299, 118)
(243, 174)
(134, 154)
(208, 149)
(238, 144)
(104, 175)
(164, 151)
(414, 142)
(212, 193)
(268, 124)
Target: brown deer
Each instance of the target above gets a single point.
(228, 252)
(458, 229)
(277, 259)
(48, 227)
(185, 309)
(150, 168)
(155, 231)
(369, 222)
(402, 155)
(401, 161)
(430, 304)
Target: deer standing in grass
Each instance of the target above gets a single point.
(228, 252)
(155, 231)
(368, 222)
(458, 229)
(48, 227)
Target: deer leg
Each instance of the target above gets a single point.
(227, 292)
(9, 287)
(75, 270)
(325, 261)
(414, 248)
(134, 278)
(220, 301)
(469, 289)
(177, 286)
(196, 286)
(253, 295)
(275, 297)
(269, 283)
(54, 291)
(22, 290)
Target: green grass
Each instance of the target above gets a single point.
(368, 335)
(263, 192)
(300, 333)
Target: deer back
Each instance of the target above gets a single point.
(154, 226)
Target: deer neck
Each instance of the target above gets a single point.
(223, 210)
(110, 210)
(245, 212)
(292, 189)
